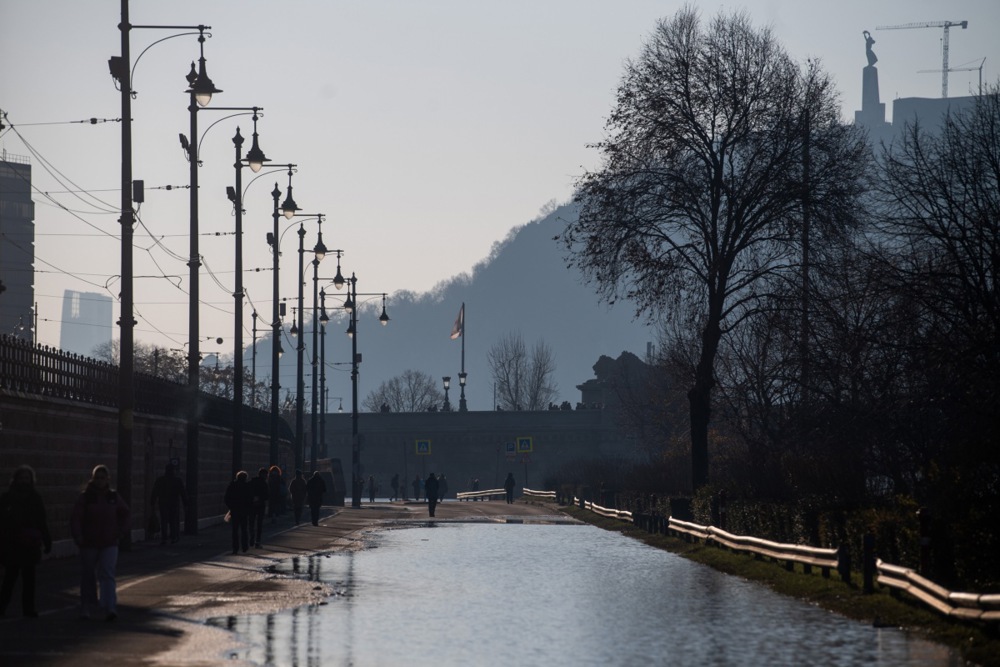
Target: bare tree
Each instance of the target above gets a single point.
(523, 381)
(697, 201)
(413, 391)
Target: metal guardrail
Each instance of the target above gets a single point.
(805, 555)
(551, 495)
(603, 511)
(480, 495)
(965, 606)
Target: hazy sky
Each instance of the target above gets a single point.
(424, 130)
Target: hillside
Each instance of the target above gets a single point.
(523, 286)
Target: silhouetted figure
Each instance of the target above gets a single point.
(24, 534)
(297, 490)
(394, 484)
(258, 505)
(431, 491)
(167, 496)
(100, 518)
(239, 500)
(442, 488)
(371, 488)
(508, 487)
(315, 488)
(416, 488)
(475, 486)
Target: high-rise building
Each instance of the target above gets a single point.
(86, 322)
(17, 247)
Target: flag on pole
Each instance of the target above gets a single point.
(459, 329)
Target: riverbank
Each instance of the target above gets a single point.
(979, 644)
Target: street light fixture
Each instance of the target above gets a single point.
(447, 383)
(462, 407)
(319, 251)
(200, 91)
(276, 351)
(121, 70)
(351, 305)
(255, 159)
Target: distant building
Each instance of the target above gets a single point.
(86, 322)
(17, 247)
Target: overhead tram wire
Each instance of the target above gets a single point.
(60, 177)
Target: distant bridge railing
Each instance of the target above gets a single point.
(531, 493)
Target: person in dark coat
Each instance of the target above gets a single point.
(416, 487)
(315, 488)
(442, 488)
(168, 495)
(297, 490)
(371, 488)
(100, 518)
(508, 486)
(258, 504)
(394, 484)
(24, 534)
(431, 491)
(239, 500)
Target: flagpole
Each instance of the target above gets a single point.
(462, 406)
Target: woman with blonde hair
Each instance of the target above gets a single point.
(100, 518)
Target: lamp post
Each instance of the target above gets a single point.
(319, 251)
(255, 159)
(351, 305)
(338, 282)
(462, 406)
(447, 383)
(253, 363)
(200, 93)
(288, 209)
(121, 70)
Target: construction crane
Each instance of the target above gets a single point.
(961, 69)
(944, 45)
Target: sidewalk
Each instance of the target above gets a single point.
(166, 592)
(161, 589)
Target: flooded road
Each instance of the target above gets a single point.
(519, 594)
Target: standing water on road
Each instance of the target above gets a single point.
(504, 594)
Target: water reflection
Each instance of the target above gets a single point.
(559, 595)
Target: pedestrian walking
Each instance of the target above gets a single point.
(394, 485)
(24, 534)
(168, 495)
(442, 488)
(371, 488)
(431, 491)
(258, 504)
(100, 517)
(239, 501)
(297, 490)
(315, 488)
(508, 487)
(416, 488)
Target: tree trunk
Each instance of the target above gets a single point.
(700, 399)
